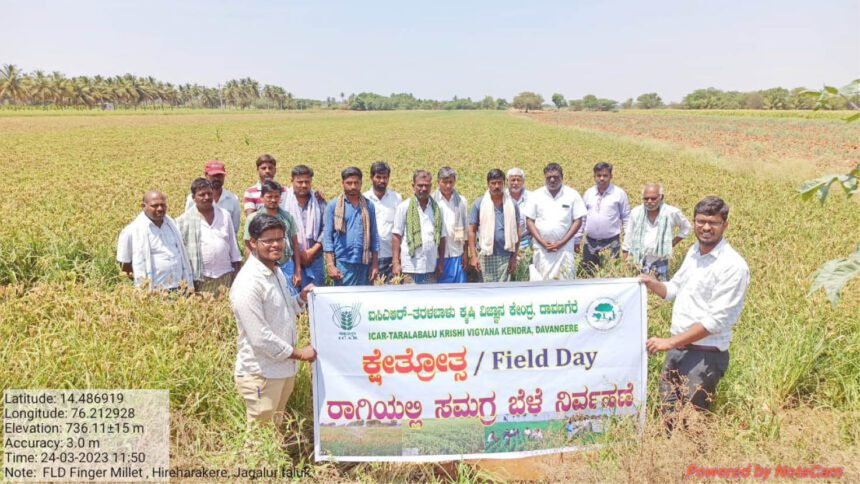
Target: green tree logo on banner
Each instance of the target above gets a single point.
(603, 314)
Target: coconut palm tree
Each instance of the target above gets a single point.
(13, 86)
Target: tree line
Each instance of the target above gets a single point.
(54, 89)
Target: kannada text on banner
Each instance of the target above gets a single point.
(439, 372)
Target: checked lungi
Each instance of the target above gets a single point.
(494, 268)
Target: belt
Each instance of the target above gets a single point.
(708, 349)
(601, 241)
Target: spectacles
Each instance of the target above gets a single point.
(269, 242)
(712, 223)
(650, 199)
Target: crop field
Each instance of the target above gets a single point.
(750, 140)
(361, 440)
(791, 395)
(440, 436)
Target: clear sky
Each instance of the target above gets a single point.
(439, 49)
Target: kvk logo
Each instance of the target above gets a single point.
(346, 318)
(603, 314)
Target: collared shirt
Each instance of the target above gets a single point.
(253, 197)
(301, 217)
(425, 259)
(554, 215)
(709, 289)
(228, 201)
(522, 204)
(651, 235)
(165, 252)
(453, 248)
(289, 224)
(218, 247)
(348, 247)
(266, 318)
(499, 234)
(607, 213)
(385, 209)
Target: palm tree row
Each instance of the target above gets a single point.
(129, 91)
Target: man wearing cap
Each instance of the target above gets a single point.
(214, 171)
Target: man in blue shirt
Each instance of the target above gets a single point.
(350, 237)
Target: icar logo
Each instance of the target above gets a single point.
(346, 318)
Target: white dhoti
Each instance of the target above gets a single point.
(558, 265)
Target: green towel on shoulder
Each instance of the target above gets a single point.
(413, 225)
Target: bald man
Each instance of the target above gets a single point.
(150, 248)
(655, 229)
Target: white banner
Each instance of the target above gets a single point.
(421, 373)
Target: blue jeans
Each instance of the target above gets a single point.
(315, 273)
(353, 274)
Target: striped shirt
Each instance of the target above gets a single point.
(253, 197)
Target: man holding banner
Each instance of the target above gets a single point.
(708, 291)
(265, 372)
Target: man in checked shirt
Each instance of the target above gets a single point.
(708, 291)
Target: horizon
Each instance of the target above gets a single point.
(440, 51)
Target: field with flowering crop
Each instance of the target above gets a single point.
(68, 320)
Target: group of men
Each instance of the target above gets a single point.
(293, 238)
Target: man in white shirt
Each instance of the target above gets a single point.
(210, 240)
(608, 213)
(265, 311)
(418, 236)
(554, 216)
(709, 291)
(649, 242)
(516, 180)
(150, 248)
(385, 202)
(455, 216)
(215, 172)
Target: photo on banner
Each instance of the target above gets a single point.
(431, 373)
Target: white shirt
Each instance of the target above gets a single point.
(425, 258)
(553, 216)
(165, 252)
(449, 218)
(218, 246)
(266, 318)
(709, 289)
(228, 201)
(607, 213)
(650, 235)
(385, 210)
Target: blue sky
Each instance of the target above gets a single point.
(439, 49)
